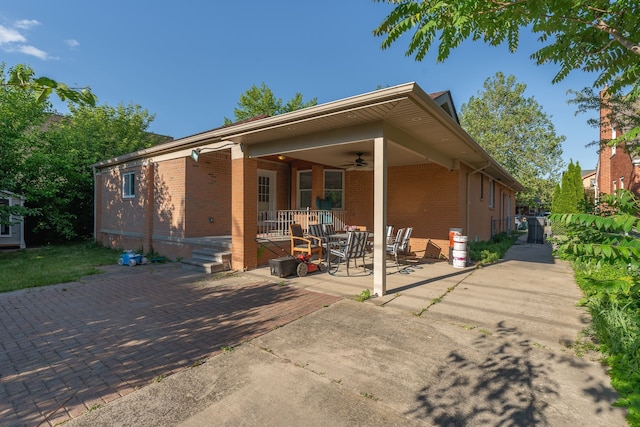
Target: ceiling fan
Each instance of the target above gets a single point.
(359, 162)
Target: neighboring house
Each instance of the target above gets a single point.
(588, 179)
(393, 156)
(616, 167)
(12, 235)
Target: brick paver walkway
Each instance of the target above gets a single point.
(66, 348)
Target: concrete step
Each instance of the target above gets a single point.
(203, 267)
(211, 255)
(208, 261)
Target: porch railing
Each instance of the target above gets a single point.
(276, 223)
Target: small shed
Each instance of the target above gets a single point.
(12, 227)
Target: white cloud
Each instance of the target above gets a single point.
(72, 43)
(25, 24)
(33, 51)
(9, 35)
(12, 39)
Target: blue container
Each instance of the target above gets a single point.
(130, 259)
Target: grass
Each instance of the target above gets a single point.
(488, 252)
(52, 264)
(363, 296)
(615, 313)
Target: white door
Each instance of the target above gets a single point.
(266, 197)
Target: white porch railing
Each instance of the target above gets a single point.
(276, 223)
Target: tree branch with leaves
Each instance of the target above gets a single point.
(23, 77)
(598, 36)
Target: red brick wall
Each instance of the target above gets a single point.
(122, 215)
(244, 216)
(208, 195)
(613, 167)
(170, 183)
(431, 199)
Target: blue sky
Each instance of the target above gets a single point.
(189, 62)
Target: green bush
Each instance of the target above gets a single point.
(487, 252)
(605, 250)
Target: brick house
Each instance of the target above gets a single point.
(616, 168)
(393, 156)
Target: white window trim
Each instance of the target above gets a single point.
(126, 192)
(298, 189)
(622, 182)
(324, 180)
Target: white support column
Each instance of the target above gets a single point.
(380, 216)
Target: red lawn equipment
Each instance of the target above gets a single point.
(286, 266)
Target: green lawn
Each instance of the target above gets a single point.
(52, 264)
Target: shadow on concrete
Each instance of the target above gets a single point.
(81, 345)
(463, 272)
(511, 386)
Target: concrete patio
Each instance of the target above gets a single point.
(447, 347)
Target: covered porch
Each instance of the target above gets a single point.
(403, 160)
(395, 156)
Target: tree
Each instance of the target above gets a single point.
(599, 36)
(23, 77)
(258, 101)
(59, 179)
(591, 35)
(20, 114)
(518, 134)
(569, 197)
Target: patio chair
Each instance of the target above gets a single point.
(300, 243)
(390, 239)
(393, 249)
(403, 247)
(328, 229)
(316, 230)
(353, 249)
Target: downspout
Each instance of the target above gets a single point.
(95, 207)
(468, 218)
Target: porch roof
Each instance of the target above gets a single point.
(420, 128)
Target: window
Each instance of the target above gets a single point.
(304, 189)
(5, 230)
(491, 193)
(622, 182)
(615, 185)
(334, 188)
(613, 136)
(129, 185)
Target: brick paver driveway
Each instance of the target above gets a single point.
(67, 348)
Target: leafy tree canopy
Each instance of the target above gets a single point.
(59, 178)
(517, 133)
(592, 35)
(47, 157)
(258, 101)
(23, 77)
